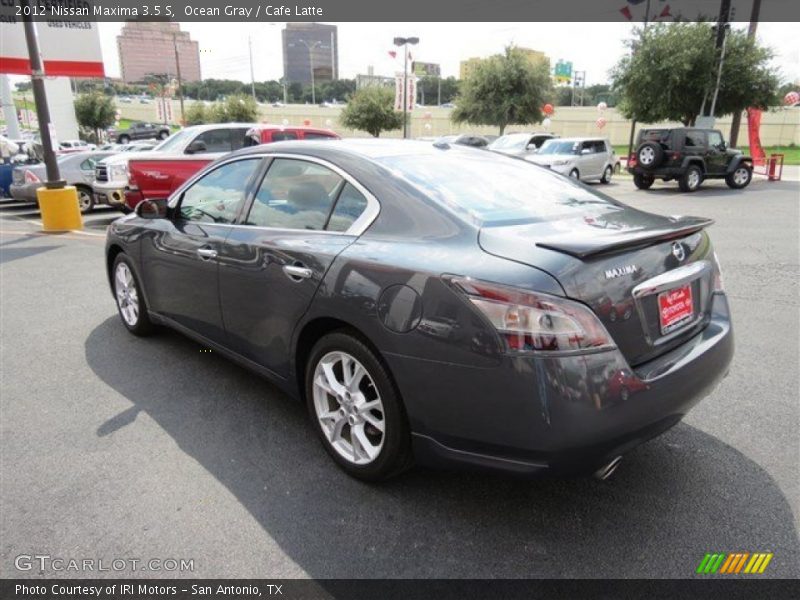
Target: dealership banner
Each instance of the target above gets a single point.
(370, 10)
(68, 48)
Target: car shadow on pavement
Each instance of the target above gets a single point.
(671, 501)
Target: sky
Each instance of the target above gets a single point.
(592, 47)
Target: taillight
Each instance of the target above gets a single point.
(676, 156)
(632, 160)
(717, 278)
(535, 322)
(31, 177)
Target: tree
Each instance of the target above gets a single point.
(371, 109)
(238, 108)
(95, 111)
(197, 113)
(672, 73)
(504, 89)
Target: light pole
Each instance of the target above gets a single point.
(404, 42)
(311, 47)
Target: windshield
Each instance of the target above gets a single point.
(514, 140)
(174, 141)
(495, 189)
(559, 147)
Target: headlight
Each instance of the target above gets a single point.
(560, 163)
(118, 172)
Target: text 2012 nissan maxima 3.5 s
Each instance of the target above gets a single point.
(435, 303)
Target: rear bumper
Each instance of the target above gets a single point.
(23, 192)
(530, 415)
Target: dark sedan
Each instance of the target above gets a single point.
(433, 302)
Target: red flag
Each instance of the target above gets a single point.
(626, 12)
(665, 12)
(393, 53)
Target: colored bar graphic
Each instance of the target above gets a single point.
(734, 563)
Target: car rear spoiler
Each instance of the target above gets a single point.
(595, 245)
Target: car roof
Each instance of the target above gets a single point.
(582, 139)
(369, 148)
(273, 127)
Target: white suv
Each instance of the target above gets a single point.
(586, 159)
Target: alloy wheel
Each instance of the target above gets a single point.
(740, 176)
(647, 155)
(127, 294)
(693, 179)
(349, 408)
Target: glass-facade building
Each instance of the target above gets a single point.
(307, 46)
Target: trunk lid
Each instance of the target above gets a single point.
(619, 261)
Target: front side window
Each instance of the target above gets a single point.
(216, 140)
(715, 139)
(560, 147)
(295, 194)
(238, 138)
(217, 196)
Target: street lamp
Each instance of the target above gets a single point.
(311, 47)
(401, 41)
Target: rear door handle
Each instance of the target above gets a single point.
(296, 272)
(206, 253)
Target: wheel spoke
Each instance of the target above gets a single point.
(330, 377)
(374, 421)
(358, 434)
(352, 382)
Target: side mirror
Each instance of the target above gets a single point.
(196, 147)
(151, 209)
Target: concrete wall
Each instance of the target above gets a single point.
(780, 126)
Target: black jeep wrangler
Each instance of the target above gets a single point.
(688, 155)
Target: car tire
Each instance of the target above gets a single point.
(343, 413)
(740, 177)
(607, 174)
(124, 139)
(574, 174)
(643, 182)
(649, 155)
(690, 181)
(128, 295)
(163, 135)
(85, 199)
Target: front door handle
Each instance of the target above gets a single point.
(296, 272)
(206, 253)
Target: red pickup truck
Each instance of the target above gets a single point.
(151, 177)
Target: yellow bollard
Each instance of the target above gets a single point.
(59, 208)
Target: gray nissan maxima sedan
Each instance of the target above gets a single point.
(435, 303)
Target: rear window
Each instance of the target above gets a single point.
(312, 135)
(494, 189)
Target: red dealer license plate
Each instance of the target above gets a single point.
(675, 308)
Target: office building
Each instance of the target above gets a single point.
(148, 48)
(308, 46)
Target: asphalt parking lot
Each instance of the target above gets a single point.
(120, 447)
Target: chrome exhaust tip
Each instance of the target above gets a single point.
(606, 471)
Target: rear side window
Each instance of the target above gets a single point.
(295, 194)
(311, 135)
(493, 189)
(280, 136)
(694, 139)
(349, 206)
